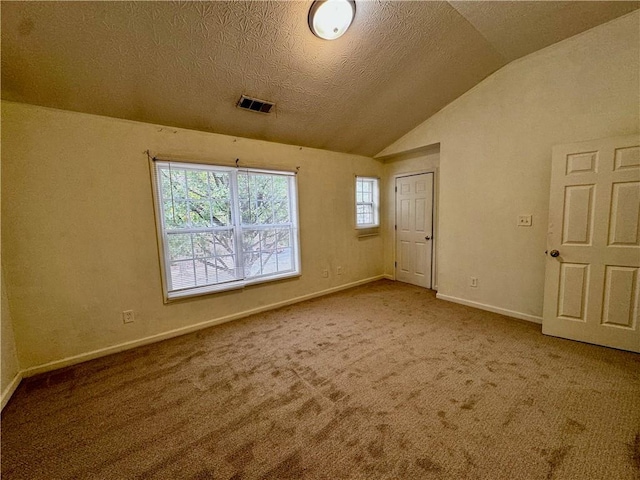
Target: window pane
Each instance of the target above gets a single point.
(269, 262)
(180, 246)
(268, 240)
(224, 243)
(267, 251)
(365, 209)
(200, 214)
(255, 192)
(365, 214)
(250, 240)
(244, 198)
(165, 183)
(221, 213)
(281, 212)
(243, 185)
(182, 274)
(251, 264)
(367, 201)
(225, 267)
(220, 198)
(245, 213)
(266, 201)
(280, 188)
(264, 212)
(285, 259)
(260, 185)
(269, 243)
(198, 184)
(251, 243)
(205, 274)
(176, 214)
(219, 182)
(203, 244)
(284, 238)
(178, 184)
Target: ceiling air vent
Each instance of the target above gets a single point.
(254, 105)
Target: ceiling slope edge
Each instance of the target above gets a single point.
(400, 147)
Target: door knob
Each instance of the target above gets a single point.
(428, 237)
(554, 253)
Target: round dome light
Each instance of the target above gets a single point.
(330, 19)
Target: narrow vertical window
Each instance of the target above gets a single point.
(221, 228)
(367, 202)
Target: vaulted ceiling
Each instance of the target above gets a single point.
(185, 64)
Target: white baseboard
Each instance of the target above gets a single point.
(83, 357)
(389, 277)
(6, 395)
(491, 308)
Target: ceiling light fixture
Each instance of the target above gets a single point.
(330, 19)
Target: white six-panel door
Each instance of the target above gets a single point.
(414, 229)
(592, 287)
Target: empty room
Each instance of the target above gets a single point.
(320, 239)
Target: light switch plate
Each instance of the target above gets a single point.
(524, 220)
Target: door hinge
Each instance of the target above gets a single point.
(396, 189)
(395, 264)
(395, 227)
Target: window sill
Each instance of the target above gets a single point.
(175, 296)
(362, 232)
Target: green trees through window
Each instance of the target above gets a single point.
(220, 226)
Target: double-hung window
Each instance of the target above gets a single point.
(367, 202)
(221, 228)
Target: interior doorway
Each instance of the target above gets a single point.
(414, 229)
(592, 292)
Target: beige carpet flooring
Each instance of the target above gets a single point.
(381, 381)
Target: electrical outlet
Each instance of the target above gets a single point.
(524, 220)
(473, 282)
(339, 270)
(128, 316)
(325, 273)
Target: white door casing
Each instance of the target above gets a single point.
(414, 229)
(592, 286)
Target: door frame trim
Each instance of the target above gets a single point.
(434, 222)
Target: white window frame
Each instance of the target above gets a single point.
(374, 203)
(235, 225)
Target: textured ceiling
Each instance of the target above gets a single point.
(185, 64)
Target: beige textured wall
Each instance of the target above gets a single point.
(10, 366)
(495, 154)
(79, 241)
